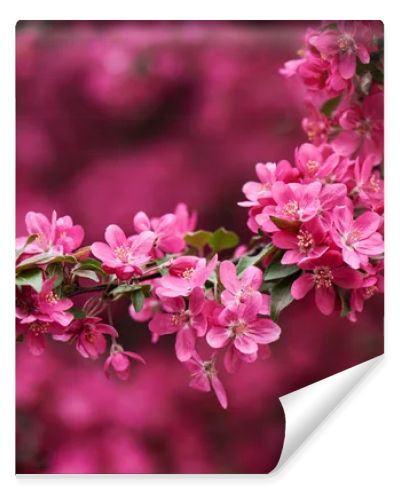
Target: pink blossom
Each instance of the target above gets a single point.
(89, 336)
(268, 174)
(240, 289)
(58, 236)
(308, 243)
(358, 238)
(204, 378)
(187, 322)
(294, 202)
(331, 196)
(45, 306)
(316, 125)
(313, 164)
(362, 129)
(167, 239)
(350, 40)
(121, 255)
(35, 337)
(371, 285)
(119, 361)
(242, 328)
(185, 274)
(322, 274)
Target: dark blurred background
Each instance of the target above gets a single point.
(117, 117)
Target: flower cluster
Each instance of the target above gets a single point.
(318, 224)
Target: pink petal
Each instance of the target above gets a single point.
(346, 277)
(367, 223)
(245, 344)
(162, 324)
(102, 251)
(141, 222)
(285, 240)
(302, 286)
(196, 301)
(232, 360)
(200, 381)
(217, 336)
(227, 273)
(219, 391)
(119, 362)
(325, 299)
(185, 343)
(114, 236)
(347, 65)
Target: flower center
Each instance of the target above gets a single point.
(305, 241)
(369, 291)
(39, 328)
(345, 43)
(244, 293)
(373, 183)
(208, 367)
(180, 317)
(291, 208)
(51, 298)
(90, 338)
(238, 328)
(353, 237)
(363, 128)
(312, 166)
(323, 277)
(122, 253)
(188, 273)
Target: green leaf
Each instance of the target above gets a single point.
(277, 270)
(90, 264)
(137, 299)
(33, 278)
(30, 239)
(86, 273)
(222, 239)
(247, 260)
(55, 270)
(281, 296)
(78, 313)
(330, 26)
(198, 239)
(125, 288)
(329, 106)
(44, 258)
(286, 225)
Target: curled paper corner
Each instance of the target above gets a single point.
(306, 408)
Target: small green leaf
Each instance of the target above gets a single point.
(198, 239)
(247, 260)
(32, 277)
(137, 299)
(87, 273)
(78, 313)
(330, 26)
(277, 270)
(121, 289)
(329, 106)
(286, 225)
(55, 270)
(91, 264)
(281, 296)
(222, 239)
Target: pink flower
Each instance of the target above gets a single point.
(58, 236)
(241, 289)
(313, 164)
(167, 239)
(119, 361)
(185, 274)
(294, 202)
(243, 329)
(371, 285)
(316, 126)
(187, 322)
(89, 336)
(121, 255)
(322, 274)
(362, 129)
(358, 238)
(331, 196)
(308, 243)
(204, 378)
(350, 40)
(268, 174)
(35, 337)
(368, 184)
(44, 306)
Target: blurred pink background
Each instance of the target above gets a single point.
(117, 117)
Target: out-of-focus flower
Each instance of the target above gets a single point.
(119, 361)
